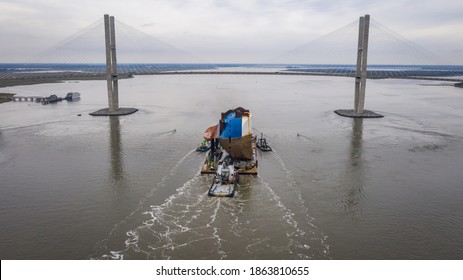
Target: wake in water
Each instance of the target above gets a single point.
(142, 202)
(295, 188)
(255, 224)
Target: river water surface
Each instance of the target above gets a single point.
(79, 187)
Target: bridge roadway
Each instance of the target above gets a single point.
(22, 78)
(297, 74)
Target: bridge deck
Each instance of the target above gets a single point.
(294, 73)
(31, 79)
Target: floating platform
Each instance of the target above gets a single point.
(242, 167)
(352, 114)
(118, 112)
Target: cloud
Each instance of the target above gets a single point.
(225, 30)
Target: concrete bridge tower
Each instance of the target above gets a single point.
(361, 75)
(111, 74)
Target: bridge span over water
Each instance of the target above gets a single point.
(59, 74)
(409, 61)
(294, 73)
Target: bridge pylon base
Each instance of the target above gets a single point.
(352, 114)
(118, 112)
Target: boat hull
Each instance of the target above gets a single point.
(238, 148)
(203, 148)
(222, 190)
(264, 148)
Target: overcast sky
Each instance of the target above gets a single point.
(229, 31)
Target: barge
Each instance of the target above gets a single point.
(233, 148)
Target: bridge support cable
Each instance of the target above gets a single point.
(410, 59)
(81, 56)
(390, 55)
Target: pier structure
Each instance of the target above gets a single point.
(27, 98)
(361, 75)
(111, 73)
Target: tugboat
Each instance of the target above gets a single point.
(204, 146)
(225, 180)
(262, 144)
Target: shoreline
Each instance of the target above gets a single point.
(15, 82)
(6, 97)
(27, 82)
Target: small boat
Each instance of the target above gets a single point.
(205, 146)
(225, 181)
(51, 99)
(72, 96)
(262, 144)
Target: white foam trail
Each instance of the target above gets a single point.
(215, 229)
(164, 230)
(34, 124)
(158, 217)
(161, 184)
(176, 218)
(292, 183)
(288, 214)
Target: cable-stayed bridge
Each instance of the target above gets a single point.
(82, 56)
